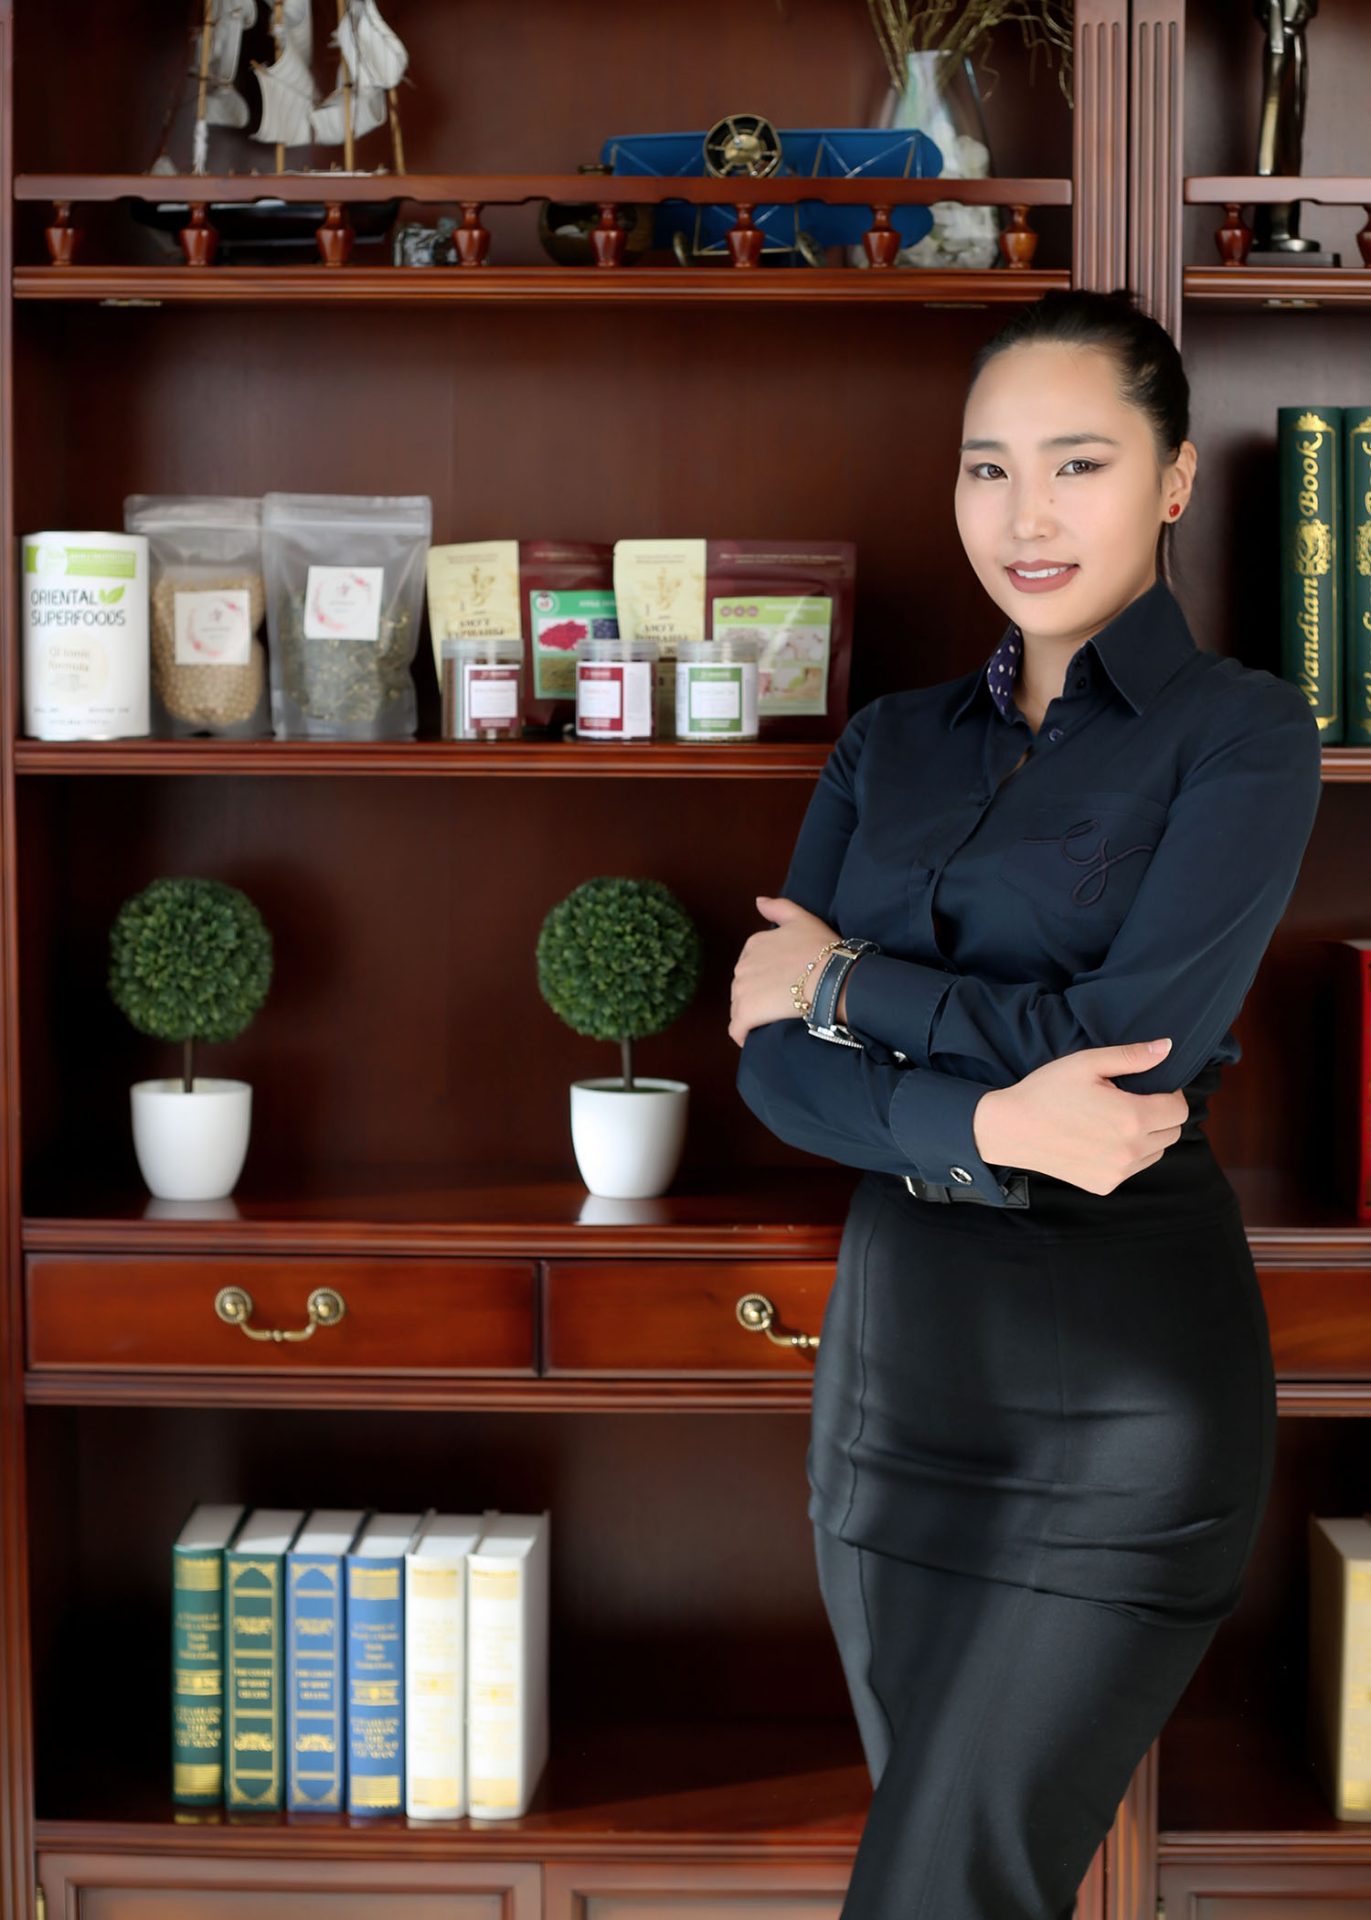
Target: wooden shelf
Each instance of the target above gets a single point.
(513, 189)
(571, 759)
(1266, 287)
(612, 1791)
(568, 759)
(768, 1213)
(756, 1212)
(118, 286)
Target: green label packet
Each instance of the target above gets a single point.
(558, 621)
(792, 631)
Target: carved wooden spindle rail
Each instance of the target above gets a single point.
(471, 240)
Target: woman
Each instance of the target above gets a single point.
(1024, 908)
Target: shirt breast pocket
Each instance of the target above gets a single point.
(1082, 858)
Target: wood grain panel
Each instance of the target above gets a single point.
(403, 1316)
(679, 1316)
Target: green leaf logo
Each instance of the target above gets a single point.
(111, 596)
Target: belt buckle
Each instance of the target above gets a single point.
(926, 1189)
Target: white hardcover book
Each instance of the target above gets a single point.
(1338, 1700)
(435, 1665)
(507, 1668)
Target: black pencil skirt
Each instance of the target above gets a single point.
(1041, 1447)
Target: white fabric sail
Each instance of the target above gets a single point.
(368, 113)
(287, 101)
(297, 29)
(374, 52)
(225, 107)
(225, 43)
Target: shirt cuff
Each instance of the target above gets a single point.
(896, 997)
(932, 1120)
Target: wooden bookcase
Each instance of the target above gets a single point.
(509, 1343)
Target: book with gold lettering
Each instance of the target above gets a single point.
(1356, 582)
(435, 1665)
(376, 1663)
(507, 1676)
(197, 1655)
(254, 1581)
(316, 1741)
(1338, 1720)
(1309, 465)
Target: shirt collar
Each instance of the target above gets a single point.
(1140, 649)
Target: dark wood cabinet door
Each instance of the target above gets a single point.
(1266, 1890)
(129, 1887)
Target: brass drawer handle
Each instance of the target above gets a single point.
(756, 1313)
(325, 1308)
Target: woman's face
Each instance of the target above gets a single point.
(1057, 468)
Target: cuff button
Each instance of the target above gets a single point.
(961, 1174)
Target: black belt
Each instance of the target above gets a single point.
(1014, 1188)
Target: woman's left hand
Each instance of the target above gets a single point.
(771, 962)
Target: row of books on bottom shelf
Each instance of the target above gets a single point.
(368, 1662)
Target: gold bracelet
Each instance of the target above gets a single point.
(803, 1006)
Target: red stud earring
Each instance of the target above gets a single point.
(1174, 512)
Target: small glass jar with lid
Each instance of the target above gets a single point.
(716, 689)
(483, 689)
(616, 689)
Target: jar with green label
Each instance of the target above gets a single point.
(483, 688)
(716, 689)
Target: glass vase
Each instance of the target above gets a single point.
(940, 98)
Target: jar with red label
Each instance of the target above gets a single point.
(483, 689)
(616, 689)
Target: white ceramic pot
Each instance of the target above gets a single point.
(628, 1140)
(191, 1146)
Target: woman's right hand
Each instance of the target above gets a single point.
(1068, 1119)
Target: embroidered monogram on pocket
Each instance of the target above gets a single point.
(1085, 857)
(1086, 845)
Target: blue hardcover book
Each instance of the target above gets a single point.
(316, 1736)
(376, 1663)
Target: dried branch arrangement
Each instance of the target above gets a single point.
(964, 27)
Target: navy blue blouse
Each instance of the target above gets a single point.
(1123, 884)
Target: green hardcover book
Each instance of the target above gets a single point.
(1309, 449)
(254, 1579)
(1356, 572)
(197, 1655)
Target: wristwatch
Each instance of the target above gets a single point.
(823, 1007)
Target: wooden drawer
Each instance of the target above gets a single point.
(1320, 1328)
(681, 1316)
(1265, 1889)
(413, 1316)
(645, 1890)
(237, 1886)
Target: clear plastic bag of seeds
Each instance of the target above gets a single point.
(207, 612)
(345, 598)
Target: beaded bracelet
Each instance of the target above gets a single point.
(802, 1006)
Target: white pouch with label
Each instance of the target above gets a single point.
(207, 609)
(345, 599)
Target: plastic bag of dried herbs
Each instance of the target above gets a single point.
(345, 595)
(208, 609)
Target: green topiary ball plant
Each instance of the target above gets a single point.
(189, 960)
(619, 960)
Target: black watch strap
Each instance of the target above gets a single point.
(821, 1019)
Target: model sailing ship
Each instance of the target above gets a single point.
(371, 63)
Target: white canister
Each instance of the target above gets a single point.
(716, 689)
(86, 664)
(616, 689)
